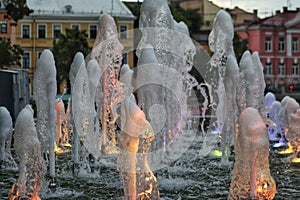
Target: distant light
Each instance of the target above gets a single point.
(289, 150)
(296, 160)
(215, 154)
(280, 144)
(67, 144)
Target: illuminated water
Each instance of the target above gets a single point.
(190, 177)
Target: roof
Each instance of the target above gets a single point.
(280, 19)
(237, 9)
(115, 8)
(293, 22)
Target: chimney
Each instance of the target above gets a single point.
(255, 17)
(285, 9)
(68, 8)
(255, 12)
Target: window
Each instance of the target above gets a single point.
(75, 27)
(207, 23)
(93, 31)
(25, 31)
(3, 27)
(295, 44)
(125, 59)
(123, 32)
(56, 30)
(41, 31)
(281, 69)
(26, 60)
(268, 44)
(68, 8)
(39, 54)
(295, 69)
(269, 69)
(281, 44)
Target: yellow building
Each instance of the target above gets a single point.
(36, 32)
(207, 10)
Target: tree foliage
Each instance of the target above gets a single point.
(9, 54)
(135, 10)
(240, 46)
(190, 16)
(17, 9)
(65, 49)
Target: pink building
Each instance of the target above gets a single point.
(276, 38)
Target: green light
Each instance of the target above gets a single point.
(215, 154)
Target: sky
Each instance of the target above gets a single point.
(265, 7)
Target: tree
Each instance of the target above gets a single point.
(65, 49)
(240, 46)
(135, 9)
(17, 9)
(190, 16)
(9, 54)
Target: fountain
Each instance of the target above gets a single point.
(163, 96)
(274, 129)
(220, 43)
(230, 108)
(288, 106)
(251, 175)
(132, 124)
(6, 130)
(62, 127)
(82, 114)
(44, 86)
(293, 135)
(31, 165)
(107, 50)
(269, 99)
(60, 115)
(222, 76)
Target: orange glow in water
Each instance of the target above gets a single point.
(67, 144)
(259, 189)
(265, 190)
(296, 160)
(57, 150)
(14, 194)
(36, 198)
(289, 150)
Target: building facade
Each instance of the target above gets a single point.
(242, 17)
(5, 23)
(276, 39)
(207, 11)
(50, 18)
